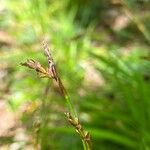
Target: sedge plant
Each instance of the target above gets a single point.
(51, 73)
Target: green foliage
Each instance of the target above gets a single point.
(116, 112)
(130, 114)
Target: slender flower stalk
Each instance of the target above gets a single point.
(52, 73)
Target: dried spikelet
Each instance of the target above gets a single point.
(78, 127)
(32, 64)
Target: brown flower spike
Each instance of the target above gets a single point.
(32, 64)
(74, 121)
(50, 72)
(51, 68)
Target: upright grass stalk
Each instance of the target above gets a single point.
(52, 73)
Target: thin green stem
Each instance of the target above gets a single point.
(67, 98)
(70, 106)
(84, 145)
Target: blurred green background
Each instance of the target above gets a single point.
(99, 47)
